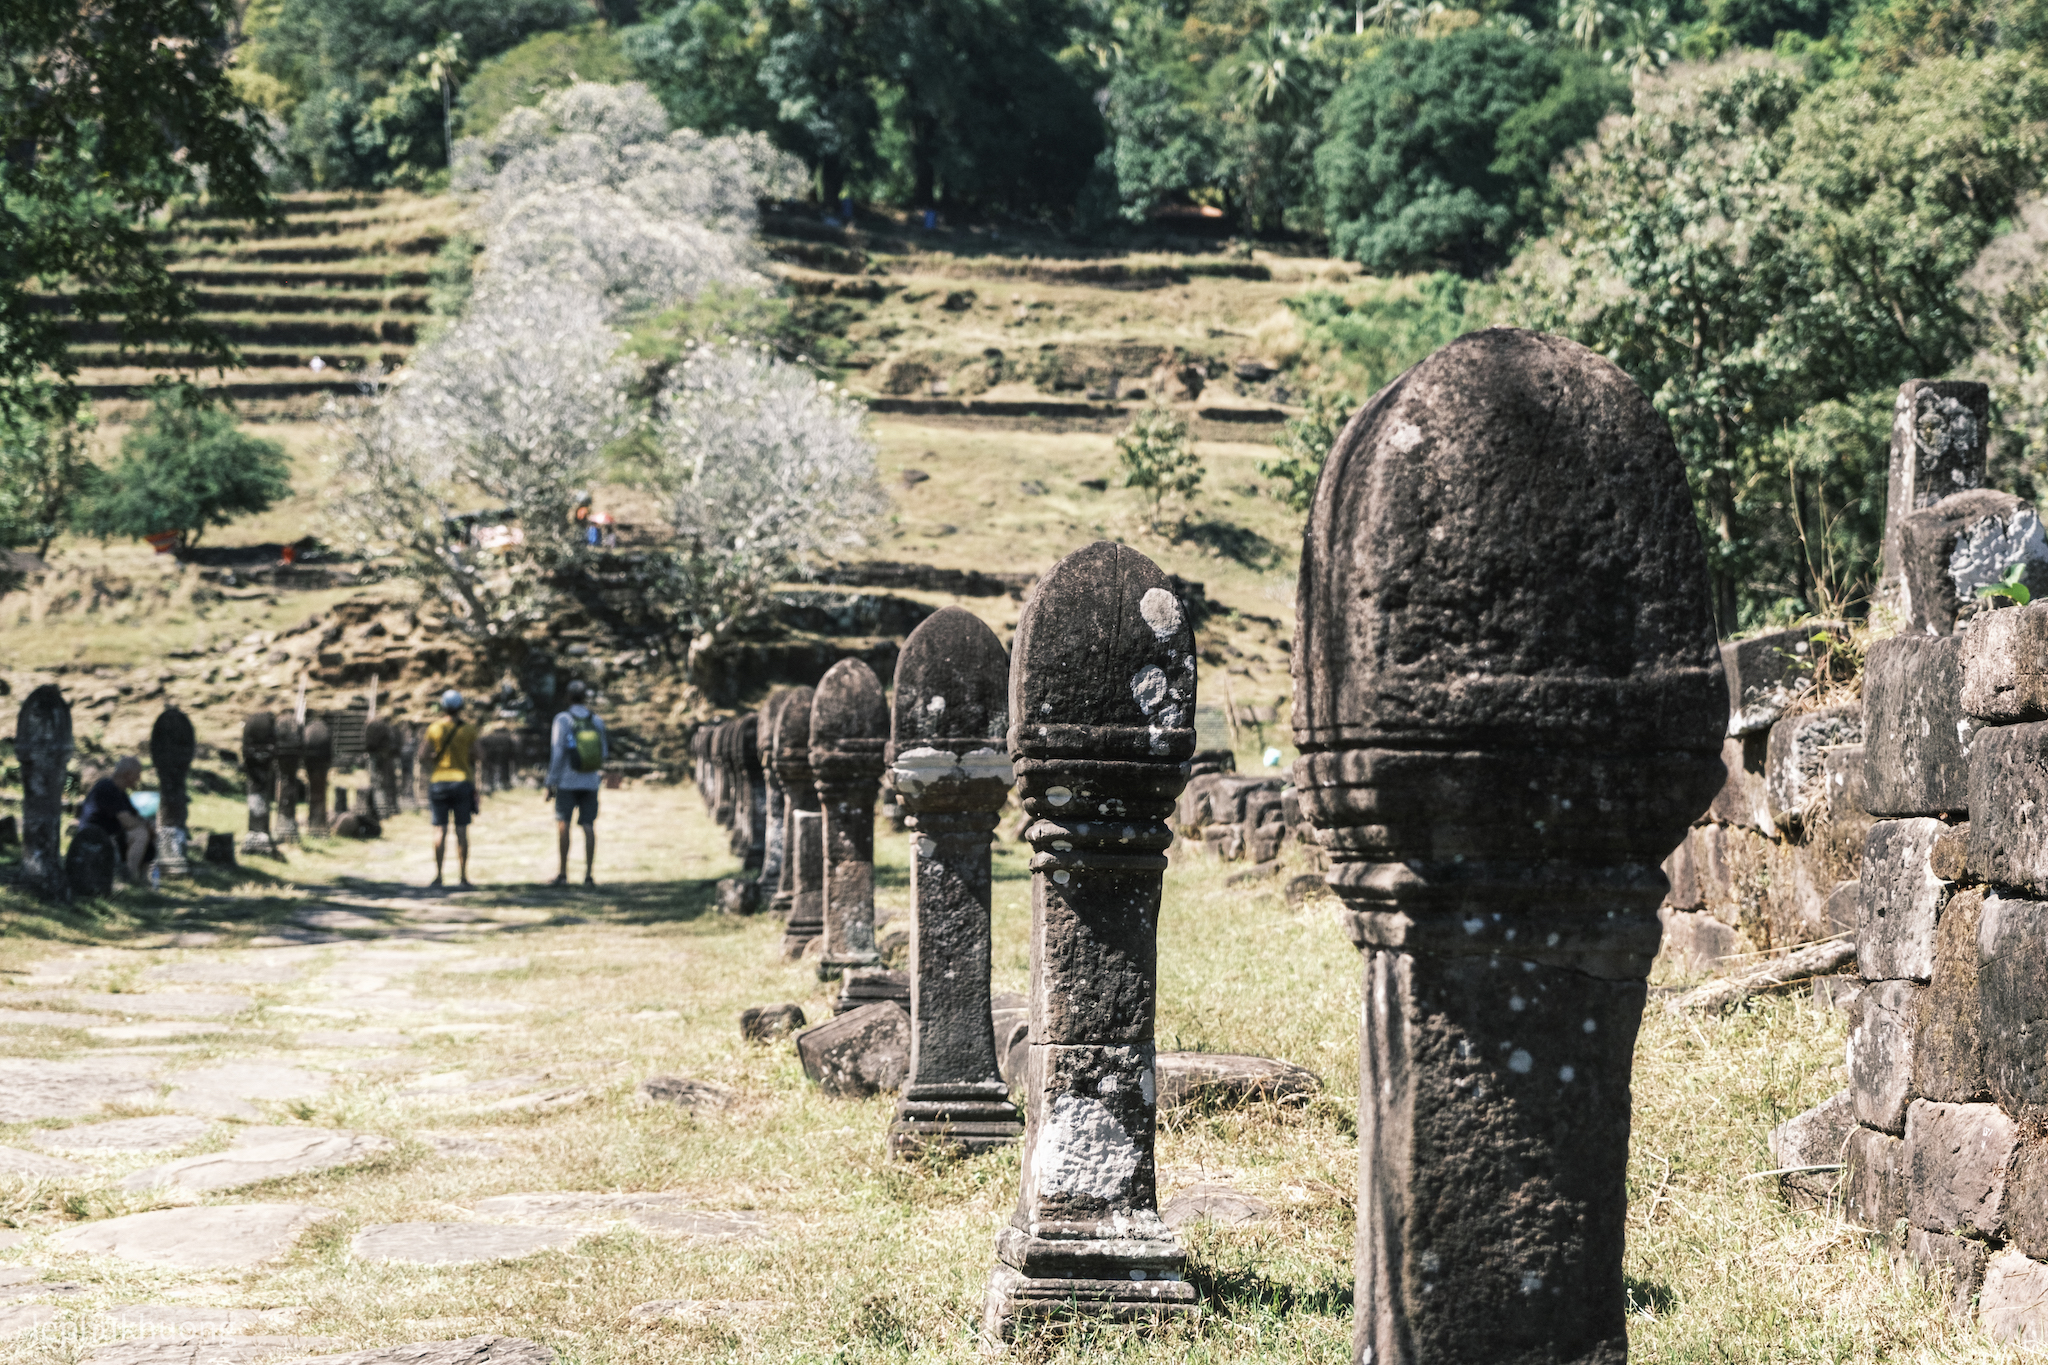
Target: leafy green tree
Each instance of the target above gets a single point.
(186, 466)
(539, 66)
(45, 471)
(108, 113)
(1159, 458)
(1434, 146)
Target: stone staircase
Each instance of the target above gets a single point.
(342, 280)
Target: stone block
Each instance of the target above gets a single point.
(765, 1023)
(1957, 1156)
(1954, 1265)
(1964, 542)
(738, 895)
(1948, 1052)
(860, 1053)
(2013, 1304)
(1223, 1080)
(1900, 900)
(2026, 1199)
(2008, 840)
(1766, 674)
(1948, 858)
(1795, 769)
(1845, 907)
(2012, 1003)
(1682, 872)
(89, 862)
(1818, 1137)
(1795, 897)
(2005, 665)
(1741, 800)
(1733, 865)
(1695, 943)
(1874, 1185)
(1881, 1054)
(1839, 991)
(1916, 736)
(1262, 842)
(1224, 841)
(1836, 833)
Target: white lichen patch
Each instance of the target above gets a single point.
(1148, 687)
(1161, 610)
(1083, 1151)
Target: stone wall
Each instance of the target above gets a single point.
(1939, 1140)
(1774, 860)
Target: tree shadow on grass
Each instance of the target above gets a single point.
(1237, 1291)
(1647, 1298)
(1239, 543)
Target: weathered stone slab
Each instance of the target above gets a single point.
(1213, 1203)
(1875, 1183)
(1956, 1160)
(1818, 1137)
(1837, 834)
(1795, 768)
(48, 1019)
(860, 1053)
(1766, 675)
(14, 1161)
(226, 1237)
(1881, 1054)
(1695, 942)
(1948, 1050)
(2026, 1199)
(125, 1135)
(2005, 665)
(702, 1311)
(268, 967)
(2013, 1304)
(1741, 799)
(229, 1088)
(377, 1039)
(478, 1350)
(207, 1350)
(1964, 542)
(1226, 1080)
(168, 1005)
(191, 1319)
(1954, 1264)
(156, 1030)
(669, 1214)
(685, 1093)
(1899, 899)
(1916, 736)
(282, 1153)
(2008, 840)
(31, 1088)
(456, 1243)
(2012, 991)
(20, 1319)
(1681, 869)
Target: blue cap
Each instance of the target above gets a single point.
(451, 700)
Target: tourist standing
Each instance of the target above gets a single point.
(576, 758)
(449, 752)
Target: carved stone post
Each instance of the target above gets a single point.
(42, 746)
(948, 750)
(319, 762)
(1102, 699)
(750, 809)
(849, 732)
(172, 747)
(1940, 433)
(259, 770)
(727, 812)
(774, 801)
(1509, 704)
(380, 747)
(800, 897)
(291, 751)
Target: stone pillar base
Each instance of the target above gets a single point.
(795, 941)
(1017, 1301)
(170, 852)
(977, 1119)
(259, 842)
(832, 967)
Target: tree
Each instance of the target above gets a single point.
(1432, 146)
(109, 112)
(1158, 458)
(45, 471)
(186, 466)
(764, 470)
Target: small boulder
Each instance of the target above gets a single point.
(766, 1023)
(860, 1053)
(1225, 1080)
(1818, 1137)
(738, 896)
(220, 849)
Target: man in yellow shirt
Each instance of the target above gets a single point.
(449, 755)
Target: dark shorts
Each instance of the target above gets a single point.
(583, 803)
(452, 798)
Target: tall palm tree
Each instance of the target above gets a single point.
(443, 65)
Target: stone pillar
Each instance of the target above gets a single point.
(752, 808)
(411, 779)
(1510, 706)
(949, 752)
(800, 899)
(259, 770)
(172, 747)
(380, 748)
(1102, 699)
(319, 762)
(42, 746)
(774, 801)
(291, 752)
(849, 733)
(726, 811)
(1940, 429)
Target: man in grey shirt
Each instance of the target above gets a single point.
(576, 757)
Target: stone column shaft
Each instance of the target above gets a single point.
(42, 746)
(319, 763)
(799, 892)
(849, 734)
(172, 747)
(259, 770)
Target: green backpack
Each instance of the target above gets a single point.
(588, 754)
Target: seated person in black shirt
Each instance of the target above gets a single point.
(107, 805)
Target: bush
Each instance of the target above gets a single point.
(1159, 458)
(185, 467)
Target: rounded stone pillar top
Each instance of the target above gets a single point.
(291, 739)
(746, 741)
(43, 725)
(172, 744)
(1105, 663)
(952, 686)
(849, 716)
(1505, 647)
(765, 722)
(319, 742)
(259, 736)
(378, 737)
(793, 739)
